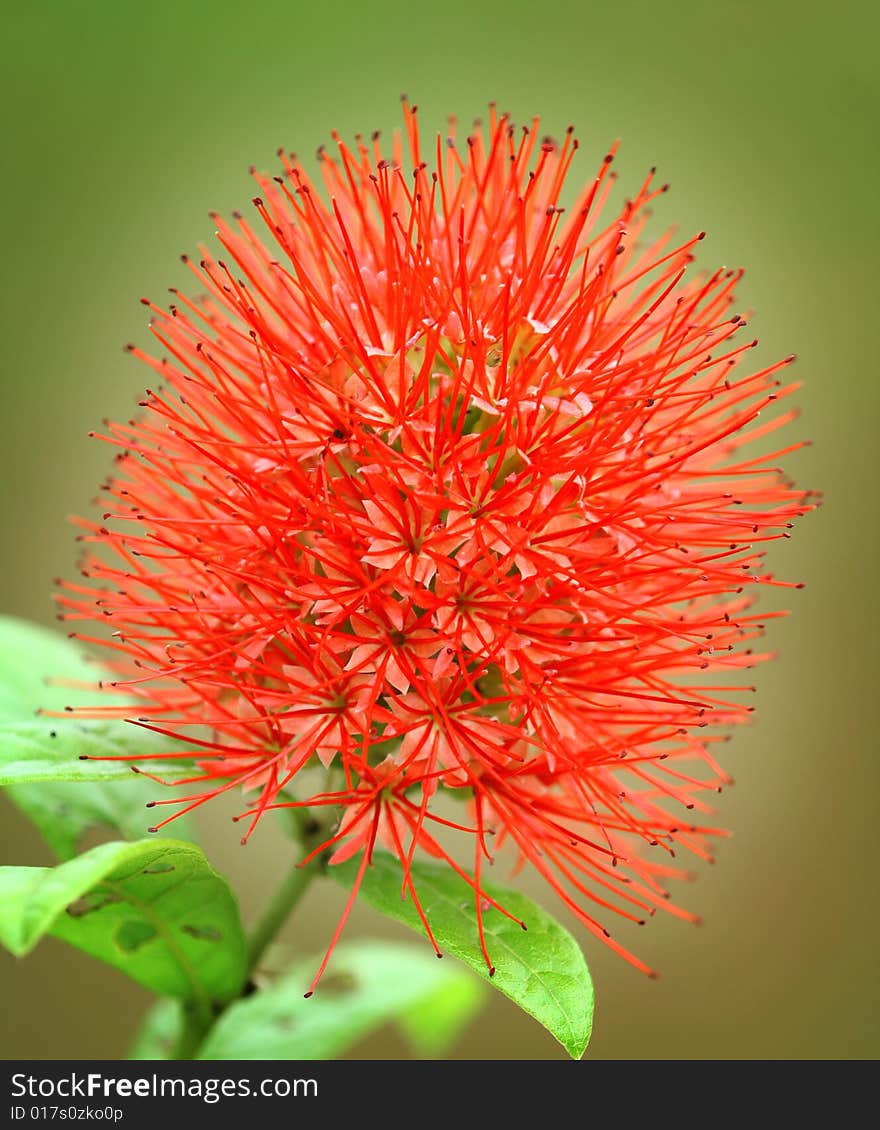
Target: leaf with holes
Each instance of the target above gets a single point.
(154, 909)
(41, 758)
(541, 969)
(371, 983)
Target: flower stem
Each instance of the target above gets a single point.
(195, 1026)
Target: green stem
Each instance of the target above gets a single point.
(194, 1028)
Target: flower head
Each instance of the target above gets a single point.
(445, 489)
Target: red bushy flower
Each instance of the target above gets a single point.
(443, 491)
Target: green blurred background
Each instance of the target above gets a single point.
(125, 123)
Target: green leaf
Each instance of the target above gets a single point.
(51, 750)
(159, 1032)
(29, 657)
(40, 758)
(64, 811)
(433, 1024)
(154, 909)
(542, 969)
(370, 984)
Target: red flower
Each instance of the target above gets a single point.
(444, 491)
